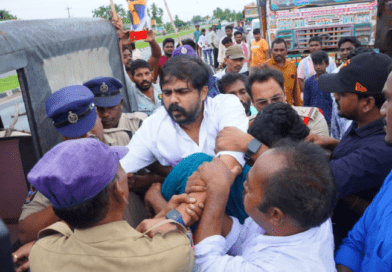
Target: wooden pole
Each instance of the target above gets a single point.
(11, 128)
(116, 17)
(172, 22)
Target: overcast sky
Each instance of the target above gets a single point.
(49, 9)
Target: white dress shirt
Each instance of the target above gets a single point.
(203, 41)
(161, 139)
(250, 250)
(213, 38)
(222, 49)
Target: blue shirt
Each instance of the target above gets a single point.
(368, 246)
(315, 97)
(362, 159)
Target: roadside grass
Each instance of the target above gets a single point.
(9, 83)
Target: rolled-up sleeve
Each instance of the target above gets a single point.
(232, 114)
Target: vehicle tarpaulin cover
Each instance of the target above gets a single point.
(51, 54)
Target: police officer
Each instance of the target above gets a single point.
(89, 193)
(107, 98)
(74, 116)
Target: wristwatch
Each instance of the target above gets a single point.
(176, 216)
(252, 149)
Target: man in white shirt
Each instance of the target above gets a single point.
(239, 41)
(222, 48)
(305, 67)
(189, 121)
(214, 41)
(289, 197)
(205, 46)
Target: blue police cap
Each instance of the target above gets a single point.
(72, 110)
(106, 91)
(75, 171)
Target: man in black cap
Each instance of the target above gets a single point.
(361, 160)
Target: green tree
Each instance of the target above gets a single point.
(178, 22)
(103, 12)
(159, 16)
(168, 27)
(5, 15)
(218, 14)
(196, 19)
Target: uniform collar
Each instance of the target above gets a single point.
(374, 128)
(107, 140)
(110, 231)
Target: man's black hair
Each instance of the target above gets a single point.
(316, 39)
(197, 25)
(186, 68)
(229, 79)
(226, 40)
(228, 27)
(358, 51)
(237, 33)
(351, 39)
(126, 47)
(90, 212)
(203, 30)
(277, 121)
(137, 64)
(256, 31)
(168, 40)
(319, 57)
(262, 75)
(304, 188)
(379, 99)
(279, 41)
(189, 42)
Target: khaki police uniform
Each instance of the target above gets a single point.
(127, 126)
(35, 202)
(110, 247)
(312, 117)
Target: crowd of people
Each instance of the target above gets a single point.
(233, 171)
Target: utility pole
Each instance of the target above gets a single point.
(68, 8)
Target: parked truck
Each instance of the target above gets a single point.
(297, 21)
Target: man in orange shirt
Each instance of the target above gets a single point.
(259, 51)
(289, 70)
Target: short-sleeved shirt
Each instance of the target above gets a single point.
(144, 103)
(258, 51)
(315, 97)
(289, 71)
(197, 35)
(306, 68)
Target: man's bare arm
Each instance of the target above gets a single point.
(156, 52)
(34, 223)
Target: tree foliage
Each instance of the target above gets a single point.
(227, 15)
(103, 12)
(5, 15)
(178, 22)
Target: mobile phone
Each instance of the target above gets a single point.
(138, 35)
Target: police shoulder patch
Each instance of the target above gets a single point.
(30, 195)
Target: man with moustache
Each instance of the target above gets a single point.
(168, 48)
(368, 245)
(361, 160)
(117, 125)
(289, 70)
(189, 121)
(147, 94)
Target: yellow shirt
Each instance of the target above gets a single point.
(289, 71)
(258, 51)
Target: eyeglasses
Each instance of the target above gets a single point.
(265, 102)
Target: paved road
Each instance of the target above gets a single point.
(8, 108)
